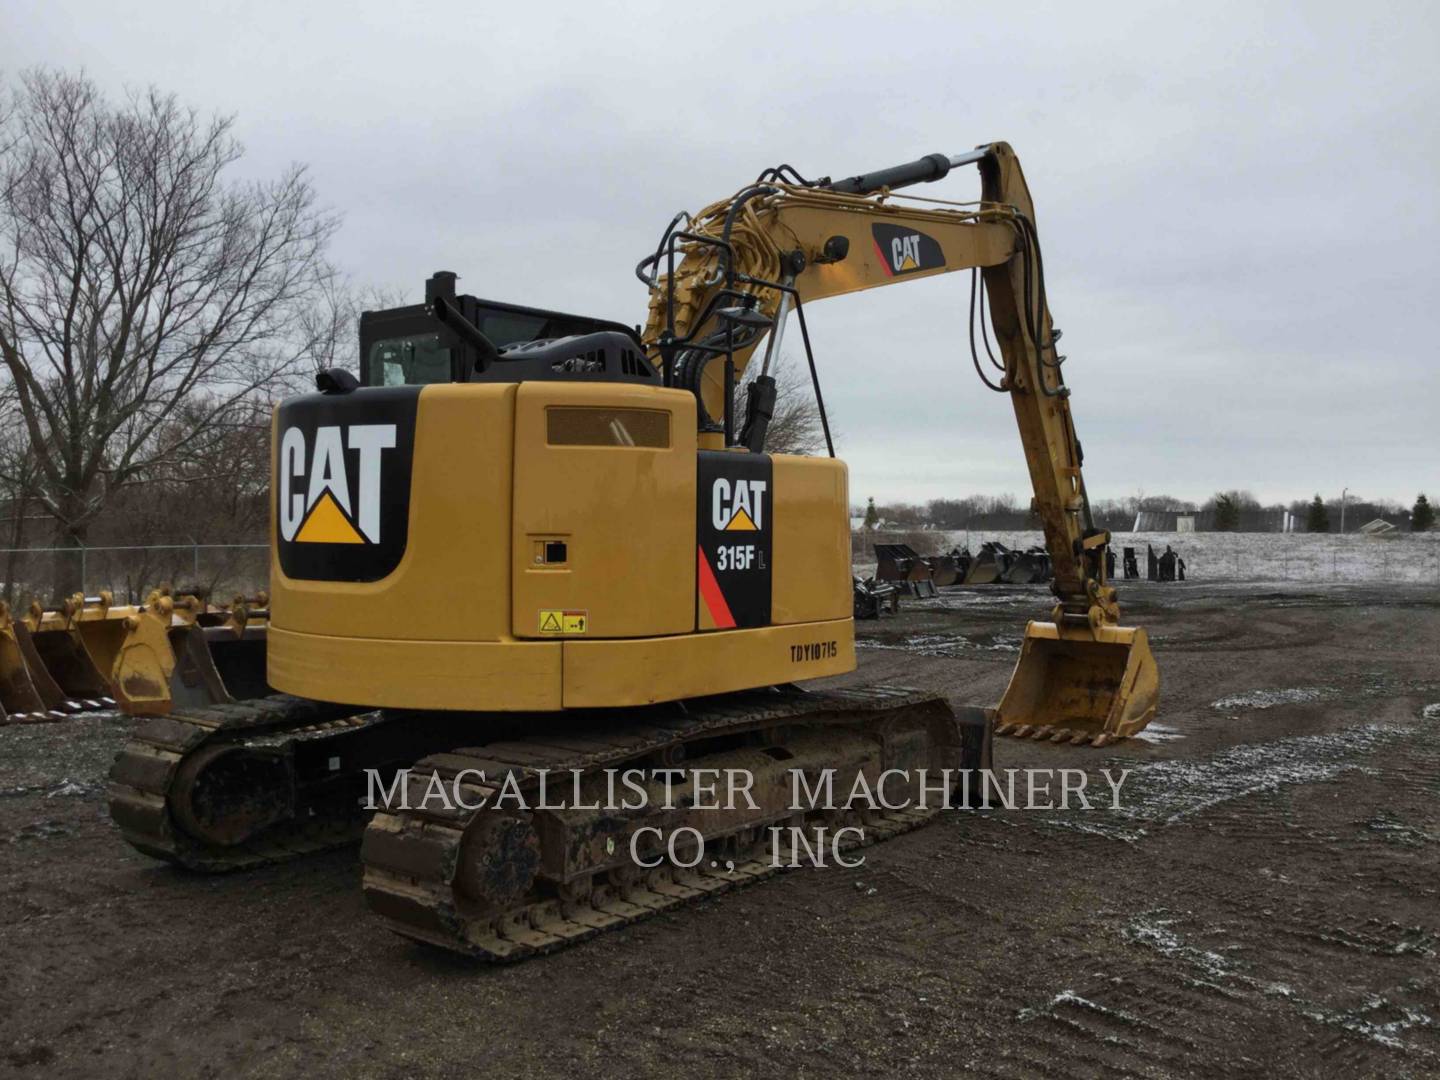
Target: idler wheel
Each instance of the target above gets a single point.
(498, 860)
(227, 794)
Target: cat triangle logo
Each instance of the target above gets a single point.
(327, 524)
(741, 523)
(908, 264)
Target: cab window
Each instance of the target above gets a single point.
(408, 361)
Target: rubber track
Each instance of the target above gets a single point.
(411, 855)
(144, 773)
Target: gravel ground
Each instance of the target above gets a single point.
(1266, 901)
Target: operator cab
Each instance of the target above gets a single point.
(411, 346)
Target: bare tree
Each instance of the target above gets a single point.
(134, 280)
(18, 483)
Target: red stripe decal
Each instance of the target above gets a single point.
(711, 594)
(889, 271)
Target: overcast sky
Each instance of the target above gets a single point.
(1238, 209)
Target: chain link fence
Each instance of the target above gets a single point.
(130, 572)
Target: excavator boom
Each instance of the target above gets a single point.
(742, 264)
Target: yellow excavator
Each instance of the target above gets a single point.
(528, 544)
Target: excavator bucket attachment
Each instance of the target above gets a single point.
(182, 653)
(903, 566)
(145, 667)
(236, 645)
(1025, 567)
(875, 598)
(1080, 685)
(52, 641)
(20, 698)
(962, 559)
(985, 568)
(943, 570)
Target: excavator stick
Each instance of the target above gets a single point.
(1080, 685)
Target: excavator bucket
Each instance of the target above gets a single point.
(1025, 567)
(20, 698)
(903, 566)
(236, 645)
(154, 649)
(180, 652)
(1080, 685)
(962, 559)
(52, 641)
(943, 570)
(985, 568)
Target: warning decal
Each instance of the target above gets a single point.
(556, 621)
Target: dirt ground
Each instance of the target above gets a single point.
(1266, 902)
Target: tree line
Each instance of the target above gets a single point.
(1225, 511)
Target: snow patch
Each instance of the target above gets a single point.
(1386, 1032)
(1158, 733)
(942, 645)
(1269, 699)
(1158, 794)
(1069, 997)
(1154, 932)
(68, 788)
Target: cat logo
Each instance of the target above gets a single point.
(318, 504)
(905, 251)
(738, 505)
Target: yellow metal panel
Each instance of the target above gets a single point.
(811, 540)
(453, 583)
(416, 674)
(643, 671)
(625, 513)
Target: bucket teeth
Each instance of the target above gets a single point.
(1053, 734)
